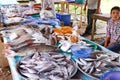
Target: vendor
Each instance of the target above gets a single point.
(93, 8)
(112, 39)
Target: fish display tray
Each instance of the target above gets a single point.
(26, 57)
(85, 75)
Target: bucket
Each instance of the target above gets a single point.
(66, 18)
(80, 1)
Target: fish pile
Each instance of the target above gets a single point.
(26, 37)
(11, 10)
(98, 64)
(46, 66)
(27, 50)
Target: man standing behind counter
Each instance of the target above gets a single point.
(93, 7)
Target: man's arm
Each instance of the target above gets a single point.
(85, 5)
(107, 39)
(98, 7)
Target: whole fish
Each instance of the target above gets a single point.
(43, 65)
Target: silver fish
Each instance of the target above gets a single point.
(31, 75)
(52, 77)
(80, 63)
(91, 69)
(30, 70)
(98, 64)
(65, 71)
(89, 59)
(48, 67)
(62, 63)
(58, 56)
(83, 61)
(70, 69)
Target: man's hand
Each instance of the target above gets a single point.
(97, 11)
(85, 5)
(105, 45)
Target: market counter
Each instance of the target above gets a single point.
(14, 60)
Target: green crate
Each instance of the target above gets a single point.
(35, 15)
(80, 1)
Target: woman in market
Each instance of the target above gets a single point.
(112, 39)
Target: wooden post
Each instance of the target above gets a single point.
(81, 16)
(92, 36)
(62, 6)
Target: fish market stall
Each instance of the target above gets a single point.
(64, 47)
(13, 14)
(38, 48)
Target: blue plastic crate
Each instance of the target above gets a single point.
(80, 1)
(66, 18)
(70, 1)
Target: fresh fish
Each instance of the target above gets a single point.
(35, 55)
(31, 75)
(83, 61)
(98, 64)
(58, 56)
(65, 71)
(47, 67)
(62, 63)
(43, 66)
(22, 45)
(89, 59)
(52, 77)
(57, 72)
(30, 70)
(87, 69)
(98, 70)
(91, 69)
(87, 66)
(80, 63)
(70, 69)
(60, 59)
(21, 39)
(36, 47)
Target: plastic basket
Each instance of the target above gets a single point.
(66, 18)
(70, 1)
(80, 1)
(93, 45)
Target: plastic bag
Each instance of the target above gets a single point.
(81, 51)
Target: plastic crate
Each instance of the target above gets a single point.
(70, 0)
(66, 18)
(80, 1)
(35, 15)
